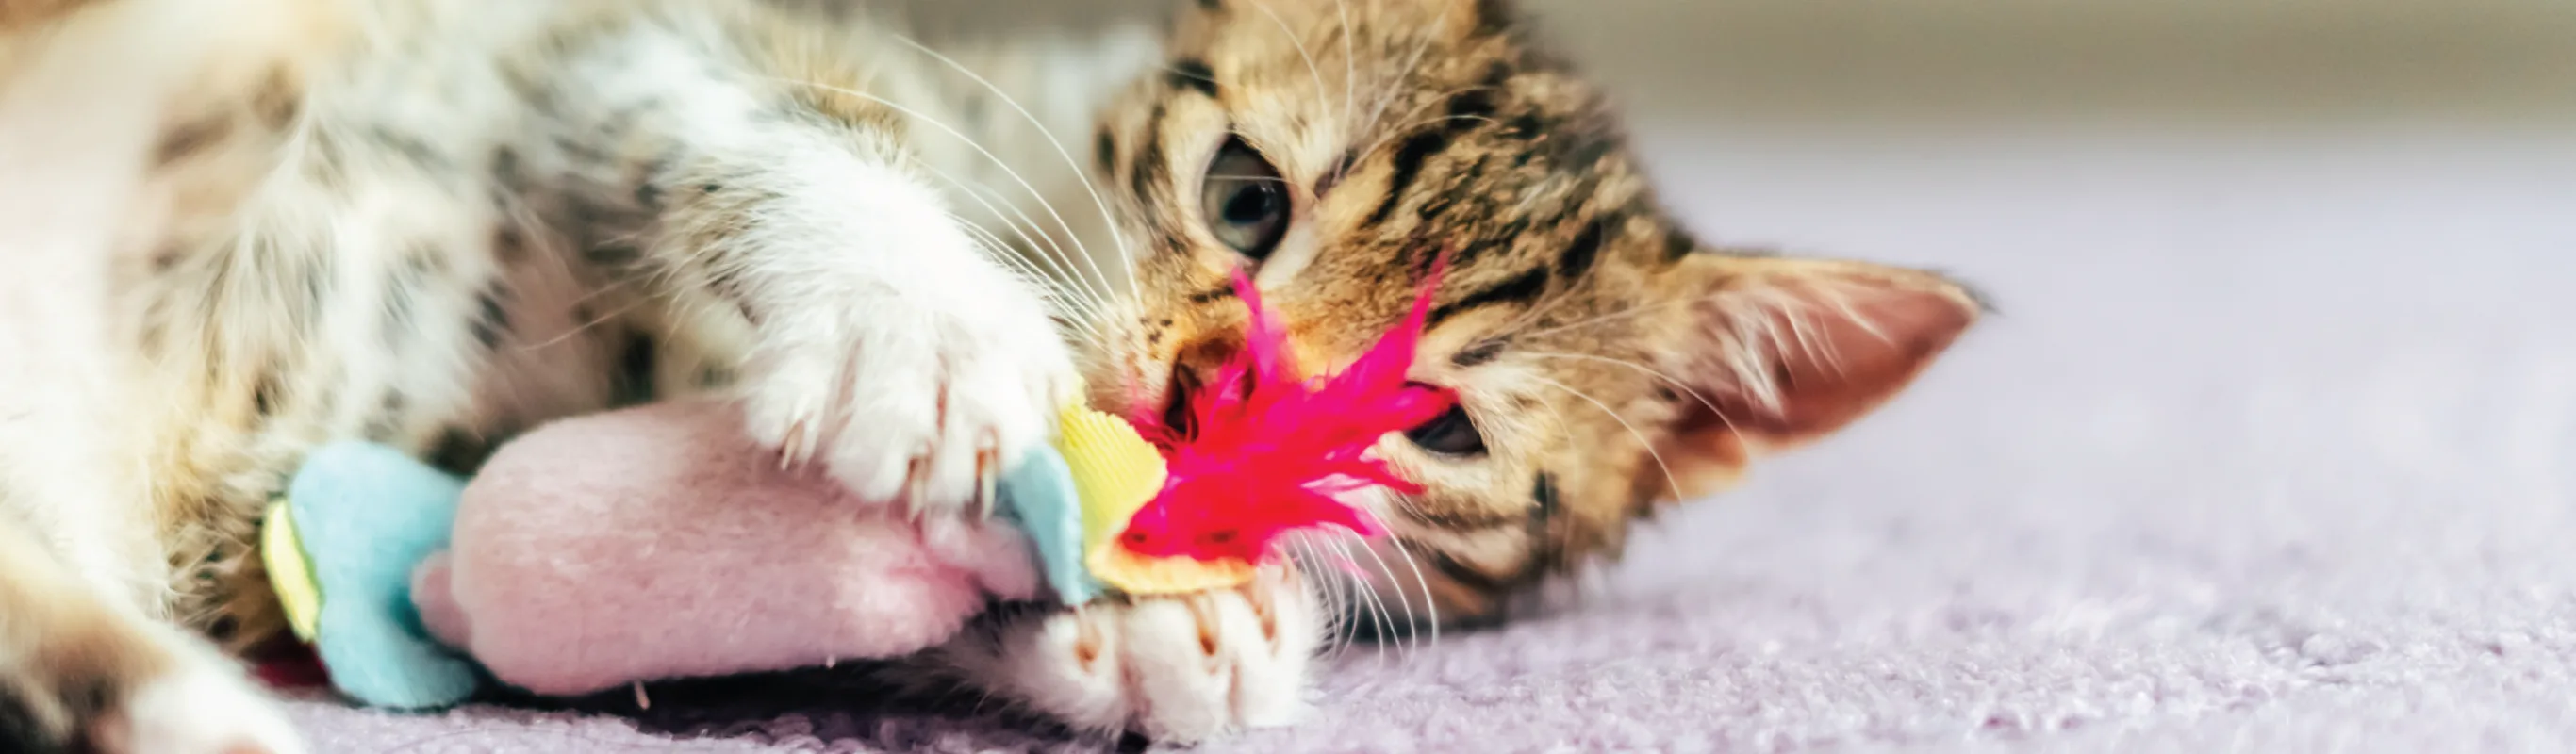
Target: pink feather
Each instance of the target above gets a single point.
(1275, 453)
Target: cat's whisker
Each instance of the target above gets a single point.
(1623, 314)
(1300, 41)
(1633, 311)
(1545, 306)
(1328, 583)
(1173, 70)
(1685, 388)
(995, 242)
(1378, 612)
(1042, 245)
(1349, 598)
(1407, 128)
(1389, 138)
(1430, 604)
(519, 215)
(971, 143)
(1642, 440)
(1060, 273)
(1785, 304)
(581, 327)
(1403, 600)
(1352, 601)
(1107, 219)
(1302, 559)
(1755, 329)
(1350, 77)
(1068, 301)
(1412, 64)
(1060, 268)
(1001, 249)
(1094, 299)
(1546, 303)
(1677, 384)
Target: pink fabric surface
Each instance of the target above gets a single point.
(660, 542)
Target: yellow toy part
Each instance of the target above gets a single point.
(289, 572)
(1134, 573)
(1115, 473)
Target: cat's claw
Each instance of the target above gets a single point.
(910, 365)
(988, 477)
(793, 450)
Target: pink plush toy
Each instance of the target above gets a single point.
(559, 578)
(660, 542)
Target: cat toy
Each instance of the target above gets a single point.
(1271, 451)
(660, 542)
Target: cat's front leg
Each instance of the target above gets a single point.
(885, 342)
(776, 217)
(79, 671)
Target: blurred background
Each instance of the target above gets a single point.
(1739, 63)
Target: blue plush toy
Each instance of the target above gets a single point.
(340, 549)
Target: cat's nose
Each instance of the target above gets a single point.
(1195, 369)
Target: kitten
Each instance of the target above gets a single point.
(433, 223)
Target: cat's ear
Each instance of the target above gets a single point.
(1785, 351)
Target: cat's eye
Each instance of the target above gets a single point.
(1245, 200)
(1452, 433)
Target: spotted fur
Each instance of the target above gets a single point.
(434, 223)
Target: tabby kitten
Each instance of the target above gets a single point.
(251, 229)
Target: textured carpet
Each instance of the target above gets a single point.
(2273, 449)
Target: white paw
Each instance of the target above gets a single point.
(133, 697)
(205, 708)
(1176, 669)
(912, 365)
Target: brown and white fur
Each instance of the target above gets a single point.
(231, 231)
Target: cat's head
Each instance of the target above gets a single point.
(1606, 362)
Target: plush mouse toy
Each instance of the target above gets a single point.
(653, 543)
(649, 543)
(661, 542)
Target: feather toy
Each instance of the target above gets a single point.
(1272, 451)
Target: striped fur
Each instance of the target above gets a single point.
(1583, 326)
(434, 223)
